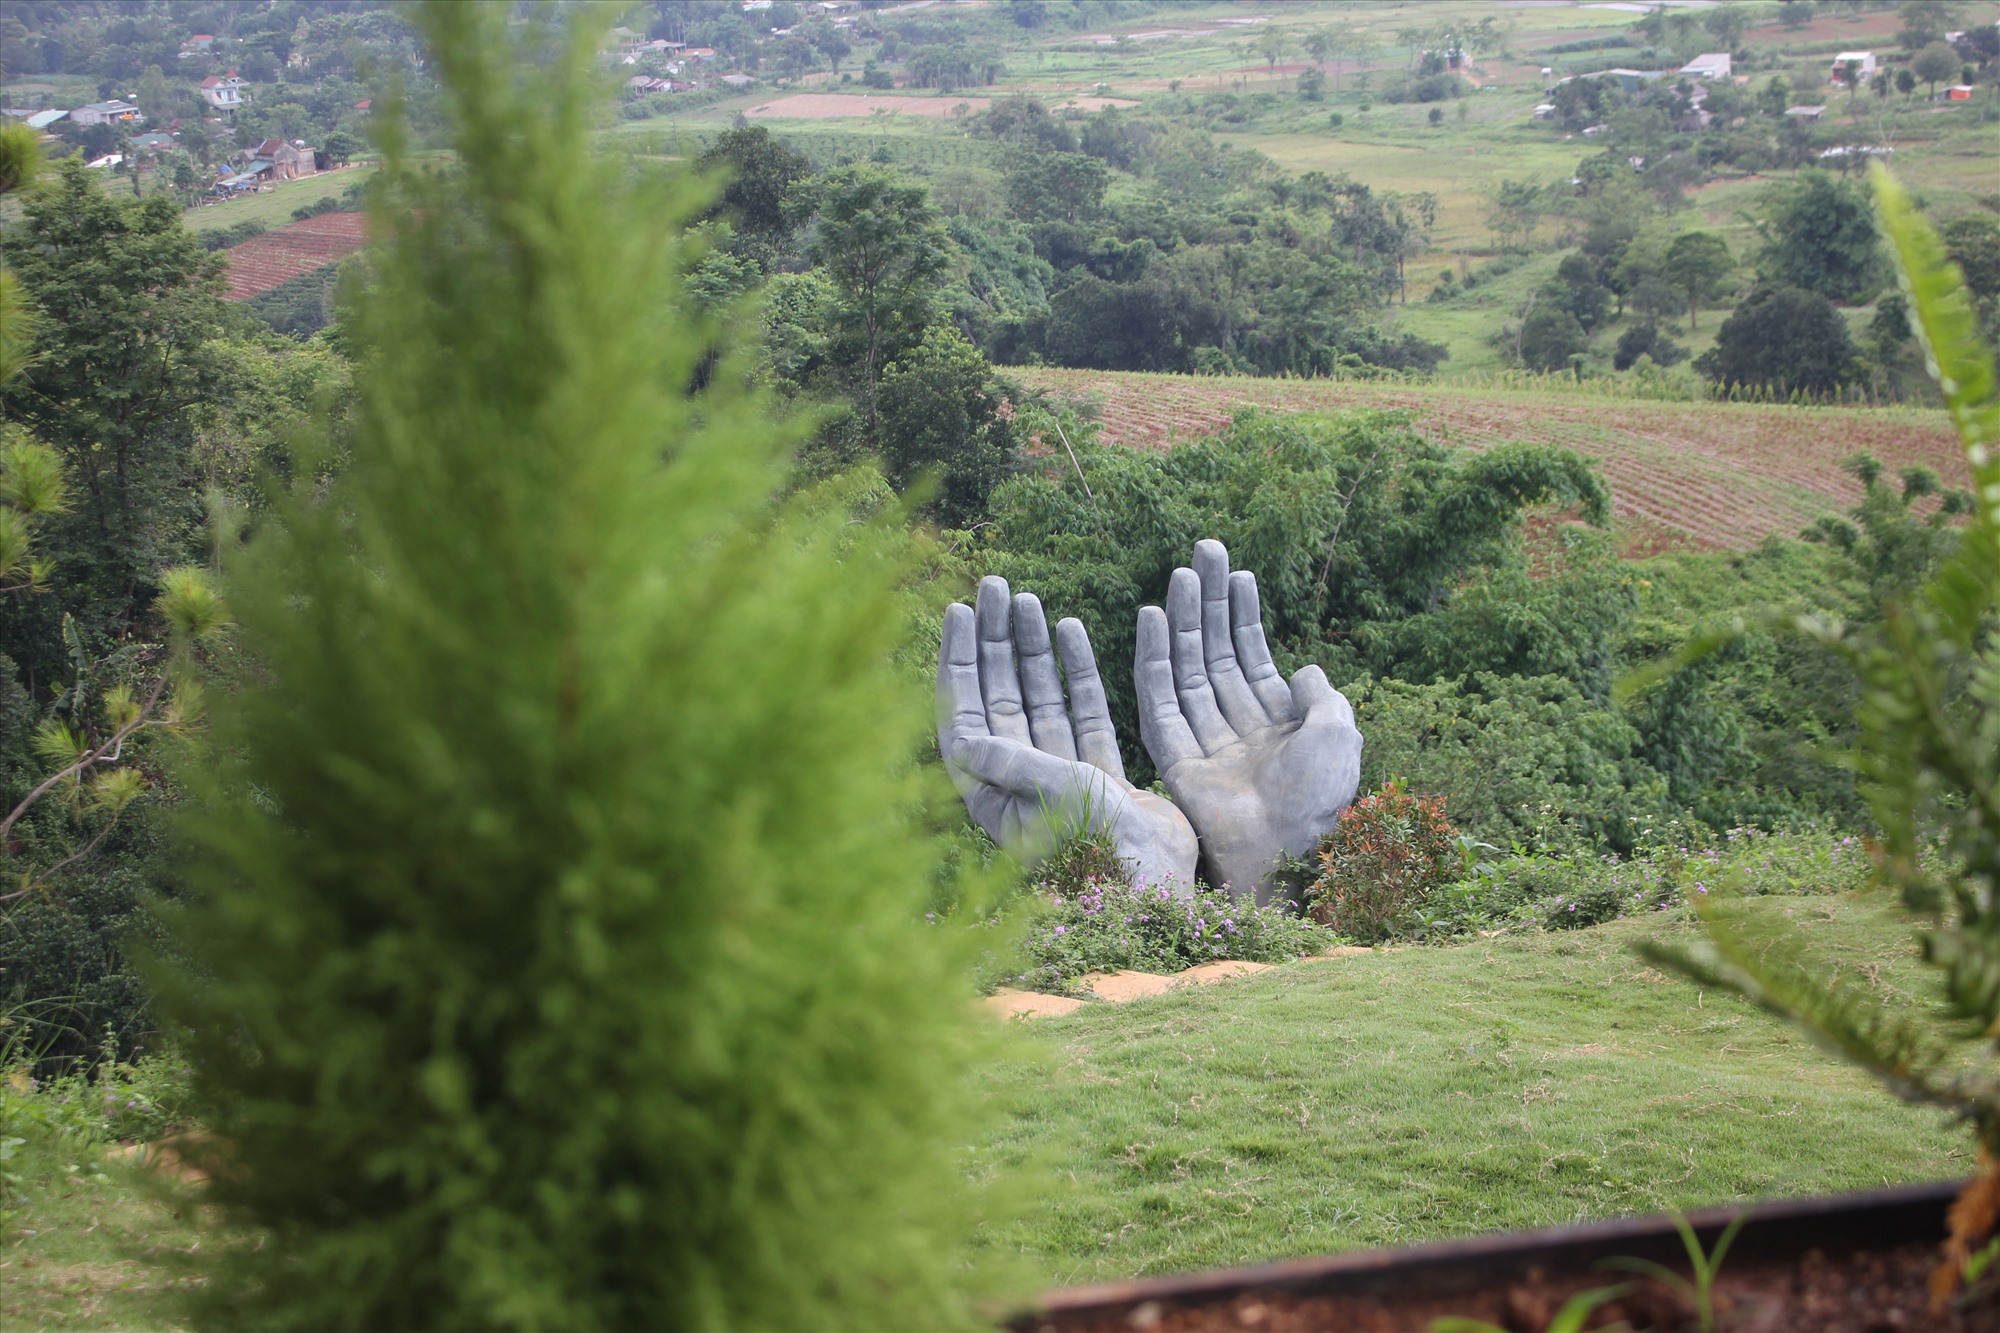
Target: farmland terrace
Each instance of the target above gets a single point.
(263, 262)
(1717, 476)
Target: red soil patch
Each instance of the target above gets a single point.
(1714, 475)
(264, 262)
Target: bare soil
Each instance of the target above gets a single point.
(263, 262)
(1710, 475)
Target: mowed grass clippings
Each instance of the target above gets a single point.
(1422, 1094)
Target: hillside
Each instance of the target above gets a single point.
(1710, 475)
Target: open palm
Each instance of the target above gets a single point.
(1031, 765)
(1263, 767)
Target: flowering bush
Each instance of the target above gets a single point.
(1388, 853)
(1108, 925)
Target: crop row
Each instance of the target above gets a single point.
(263, 262)
(1723, 475)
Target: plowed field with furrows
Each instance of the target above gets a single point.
(262, 262)
(1715, 475)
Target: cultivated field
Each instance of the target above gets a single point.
(823, 106)
(263, 262)
(1710, 475)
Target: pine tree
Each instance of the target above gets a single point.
(555, 955)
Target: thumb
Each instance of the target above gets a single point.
(1317, 701)
(1021, 770)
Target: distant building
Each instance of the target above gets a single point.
(41, 120)
(645, 85)
(1862, 61)
(737, 80)
(1708, 65)
(278, 160)
(1958, 92)
(1629, 80)
(1546, 111)
(113, 112)
(224, 92)
(1809, 114)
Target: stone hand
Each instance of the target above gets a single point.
(1261, 767)
(1031, 765)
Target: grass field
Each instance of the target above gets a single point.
(1374, 1099)
(273, 207)
(88, 1246)
(1390, 1098)
(1715, 475)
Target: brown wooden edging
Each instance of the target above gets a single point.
(1835, 1224)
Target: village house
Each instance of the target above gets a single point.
(113, 112)
(1810, 114)
(1862, 61)
(224, 92)
(645, 85)
(1708, 65)
(277, 160)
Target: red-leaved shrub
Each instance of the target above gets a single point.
(1387, 854)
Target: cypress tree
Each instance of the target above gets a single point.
(554, 954)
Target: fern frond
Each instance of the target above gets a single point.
(1948, 326)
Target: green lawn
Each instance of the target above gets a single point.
(89, 1247)
(274, 207)
(1409, 1096)
(1378, 1099)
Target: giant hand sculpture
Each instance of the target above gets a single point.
(1261, 767)
(1030, 765)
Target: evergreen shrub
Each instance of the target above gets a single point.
(555, 923)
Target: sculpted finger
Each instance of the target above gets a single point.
(1318, 702)
(1041, 683)
(961, 710)
(1090, 713)
(999, 684)
(1038, 778)
(1218, 648)
(1162, 728)
(1253, 655)
(1197, 698)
